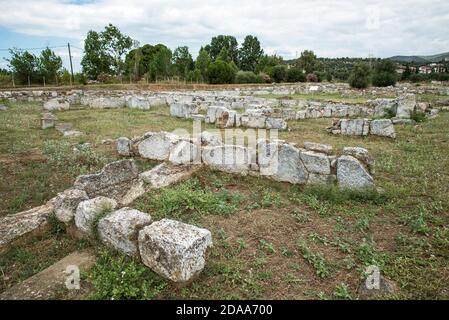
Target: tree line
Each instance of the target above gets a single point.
(113, 57)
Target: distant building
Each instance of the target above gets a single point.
(425, 69)
(437, 67)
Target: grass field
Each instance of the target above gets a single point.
(271, 240)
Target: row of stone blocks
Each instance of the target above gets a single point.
(363, 127)
(172, 249)
(281, 161)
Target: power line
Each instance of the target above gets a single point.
(30, 49)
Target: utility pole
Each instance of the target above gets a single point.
(71, 65)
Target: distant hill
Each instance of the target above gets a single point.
(421, 59)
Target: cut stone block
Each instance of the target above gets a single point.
(174, 250)
(351, 174)
(88, 211)
(66, 203)
(120, 228)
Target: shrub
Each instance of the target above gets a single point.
(220, 72)
(247, 77)
(418, 116)
(279, 73)
(360, 76)
(384, 73)
(264, 78)
(311, 77)
(295, 75)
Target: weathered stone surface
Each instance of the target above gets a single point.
(119, 229)
(174, 250)
(315, 162)
(48, 120)
(402, 121)
(362, 155)
(253, 120)
(318, 147)
(354, 127)
(210, 139)
(72, 133)
(3, 107)
(107, 102)
(156, 146)
(16, 225)
(276, 123)
(114, 174)
(185, 152)
(138, 103)
(56, 105)
(88, 210)
(124, 146)
(47, 284)
(229, 158)
(351, 174)
(281, 162)
(183, 110)
(406, 105)
(166, 174)
(324, 179)
(382, 127)
(66, 203)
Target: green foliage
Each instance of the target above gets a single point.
(189, 201)
(250, 53)
(104, 51)
(308, 62)
(295, 75)
(117, 277)
(267, 63)
(24, 65)
(418, 116)
(279, 73)
(79, 160)
(160, 66)
(220, 72)
(49, 66)
(341, 292)
(218, 43)
(56, 227)
(195, 76)
(202, 62)
(322, 267)
(360, 76)
(384, 74)
(182, 61)
(247, 77)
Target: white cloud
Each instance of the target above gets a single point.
(330, 28)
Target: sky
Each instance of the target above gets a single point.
(381, 28)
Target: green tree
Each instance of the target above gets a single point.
(160, 67)
(250, 53)
(407, 73)
(308, 61)
(266, 63)
(295, 74)
(220, 72)
(384, 74)
(218, 43)
(279, 73)
(183, 62)
(104, 52)
(201, 63)
(50, 65)
(24, 66)
(360, 76)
